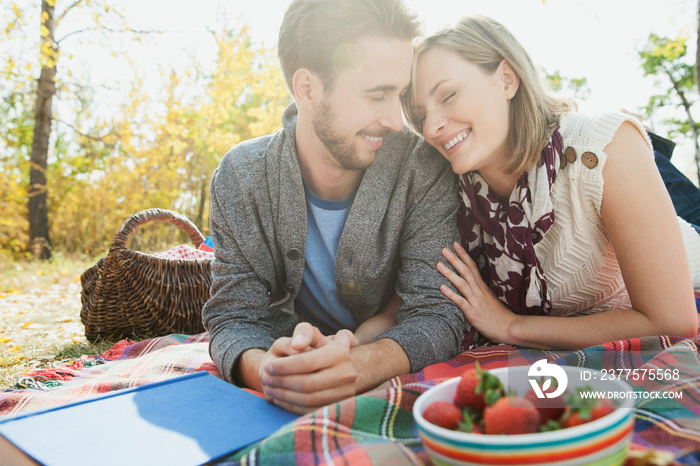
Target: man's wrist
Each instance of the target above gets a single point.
(246, 370)
(378, 362)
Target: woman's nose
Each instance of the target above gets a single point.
(433, 125)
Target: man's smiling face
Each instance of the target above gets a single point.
(364, 104)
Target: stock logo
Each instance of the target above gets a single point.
(552, 372)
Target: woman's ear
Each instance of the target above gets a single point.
(511, 80)
(307, 89)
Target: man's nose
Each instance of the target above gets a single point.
(392, 118)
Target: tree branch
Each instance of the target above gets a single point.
(88, 136)
(81, 86)
(103, 28)
(68, 8)
(75, 32)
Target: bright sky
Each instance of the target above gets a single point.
(595, 39)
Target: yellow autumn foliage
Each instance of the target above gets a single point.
(165, 157)
(158, 150)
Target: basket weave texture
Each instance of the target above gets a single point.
(133, 294)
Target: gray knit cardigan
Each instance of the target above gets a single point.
(403, 214)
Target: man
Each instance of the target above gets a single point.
(318, 227)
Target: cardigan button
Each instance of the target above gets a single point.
(563, 162)
(570, 154)
(589, 159)
(294, 254)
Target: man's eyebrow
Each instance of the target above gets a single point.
(381, 88)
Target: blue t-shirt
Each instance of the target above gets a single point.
(318, 301)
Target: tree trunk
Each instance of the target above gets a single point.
(37, 206)
(203, 193)
(691, 122)
(693, 128)
(697, 83)
(697, 52)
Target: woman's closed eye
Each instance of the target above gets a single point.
(449, 96)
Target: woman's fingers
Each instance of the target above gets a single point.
(457, 280)
(466, 282)
(456, 262)
(465, 257)
(456, 298)
(469, 262)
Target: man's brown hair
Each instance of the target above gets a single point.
(319, 35)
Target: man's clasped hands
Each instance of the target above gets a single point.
(309, 369)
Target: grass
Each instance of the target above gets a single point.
(40, 316)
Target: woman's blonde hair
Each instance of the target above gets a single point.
(535, 112)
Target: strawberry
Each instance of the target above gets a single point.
(466, 394)
(443, 414)
(512, 415)
(571, 418)
(477, 429)
(471, 422)
(581, 410)
(478, 388)
(550, 409)
(602, 408)
(577, 416)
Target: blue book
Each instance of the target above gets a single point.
(187, 420)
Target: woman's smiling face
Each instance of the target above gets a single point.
(464, 111)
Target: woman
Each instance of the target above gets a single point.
(564, 216)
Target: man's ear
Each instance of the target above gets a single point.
(307, 89)
(511, 80)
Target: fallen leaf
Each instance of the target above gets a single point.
(9, 293)
(46, 357)
(12, 360)
(5, 340)
(33, 326)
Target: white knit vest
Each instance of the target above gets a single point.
(579, 263)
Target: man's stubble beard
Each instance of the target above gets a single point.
(343, 151)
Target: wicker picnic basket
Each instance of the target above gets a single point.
(133, 294)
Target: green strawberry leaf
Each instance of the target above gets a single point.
(550, 426)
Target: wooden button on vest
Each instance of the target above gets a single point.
(563, 161)
(570, 154)
(589, 159)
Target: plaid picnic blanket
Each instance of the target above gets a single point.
(377, 427)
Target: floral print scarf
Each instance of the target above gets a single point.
(501, 239)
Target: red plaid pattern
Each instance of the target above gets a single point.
(185, 252)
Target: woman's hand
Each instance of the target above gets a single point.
(481, 308)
